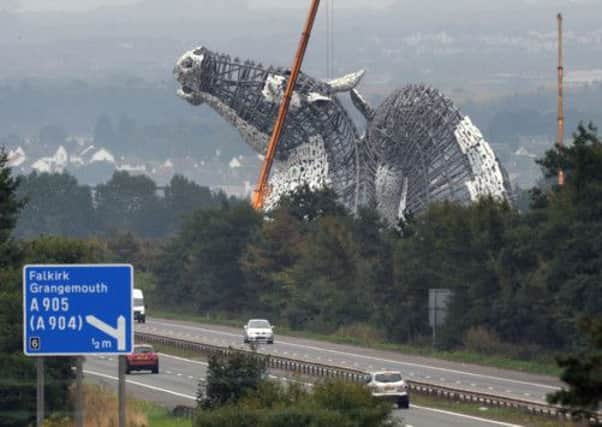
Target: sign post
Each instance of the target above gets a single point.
(79, 407)
(40, 392)
(122, 417)
(77, 310)
(438, 301)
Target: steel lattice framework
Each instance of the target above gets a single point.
(417, 147)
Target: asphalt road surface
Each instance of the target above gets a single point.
(458, 375)
(177, 380)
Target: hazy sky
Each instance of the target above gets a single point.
(78, 5)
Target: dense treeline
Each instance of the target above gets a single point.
(58, 205)
(18, 379)
(521, 281)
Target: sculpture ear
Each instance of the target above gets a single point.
(318, 99)
(347, 82)
(362, 105)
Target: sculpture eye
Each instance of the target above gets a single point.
(187, 63)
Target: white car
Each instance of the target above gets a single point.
(257, 330)
(389, 385)
(139, 306)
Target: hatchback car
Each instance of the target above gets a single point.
(389, 385)
(257, 330)
(143, 358)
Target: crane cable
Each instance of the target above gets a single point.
(329, 20)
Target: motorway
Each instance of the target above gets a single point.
(474, 378)
(176, 384)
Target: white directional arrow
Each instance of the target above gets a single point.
(117, 333)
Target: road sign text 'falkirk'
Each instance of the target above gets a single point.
(77, 309)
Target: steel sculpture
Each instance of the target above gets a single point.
(417, 147)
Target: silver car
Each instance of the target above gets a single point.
(257, 330)
(389, 385)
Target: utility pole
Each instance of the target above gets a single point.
(560, 136)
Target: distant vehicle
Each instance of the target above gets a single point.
(139, 306)
(389, 385)
(143, 358)
(257, 330)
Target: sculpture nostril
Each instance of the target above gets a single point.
(187, 90)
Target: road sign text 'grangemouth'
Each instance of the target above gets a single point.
(77, 309)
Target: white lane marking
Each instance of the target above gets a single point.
(469, 417)
(418, 365)
(197, 362)
(424, 408)
(139, 384)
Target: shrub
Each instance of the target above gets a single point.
(484, 341)
(277, 405)
(229, 377)
(363, 333)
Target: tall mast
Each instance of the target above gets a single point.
(560, 136)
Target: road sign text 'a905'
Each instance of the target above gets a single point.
(77, 309)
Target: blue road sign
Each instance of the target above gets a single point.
(77, 309)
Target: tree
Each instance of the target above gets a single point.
(583, 373)
(267, 262)
(307, 204)
(17, 387)
(183, 197)
(57, 205)
(199, 268)
(10, 205)
(229, 377)
(13, 365)
(130, 203)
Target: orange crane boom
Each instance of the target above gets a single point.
(261, 190)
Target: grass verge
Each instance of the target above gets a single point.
(101, 410)
(159, 416)
(493, 413)
(544, 366)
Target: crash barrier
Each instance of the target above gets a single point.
(319, 370)
(311, 369)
